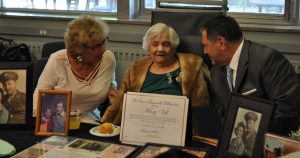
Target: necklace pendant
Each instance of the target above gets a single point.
(170, 80)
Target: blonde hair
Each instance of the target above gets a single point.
(85, 30)
(157, 29)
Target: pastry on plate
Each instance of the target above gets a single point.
(106, 128)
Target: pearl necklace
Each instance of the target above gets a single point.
(87, 80)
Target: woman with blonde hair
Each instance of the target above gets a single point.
(86, 67)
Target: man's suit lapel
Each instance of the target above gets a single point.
(242, 67)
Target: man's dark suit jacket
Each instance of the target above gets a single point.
(269, 72)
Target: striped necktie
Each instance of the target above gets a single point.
(229, 77)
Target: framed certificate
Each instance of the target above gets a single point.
(154, 118)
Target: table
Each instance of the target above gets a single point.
(23, 139)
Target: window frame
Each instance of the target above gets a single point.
(51, 13)
(135, 9)
(289, 17)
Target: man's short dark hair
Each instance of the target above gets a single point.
(8, 75)
(224, 26)
(251, 116)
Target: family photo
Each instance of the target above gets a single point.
(244, 133)
(52, 114)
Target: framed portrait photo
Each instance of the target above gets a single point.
(16, 95)
(53, 112)
(245, 124)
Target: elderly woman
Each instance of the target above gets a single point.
(236, 144)
(164, 71)
(86, 67)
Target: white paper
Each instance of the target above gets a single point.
(154, 118)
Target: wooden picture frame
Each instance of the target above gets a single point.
(50, 103)
(245, 113)
(164, 150)
(16, 95)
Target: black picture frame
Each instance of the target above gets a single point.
(259, 113)
(48, 101)
(164, 150)
(19, 74)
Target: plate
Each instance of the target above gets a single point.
(95, 131)
(6, 148)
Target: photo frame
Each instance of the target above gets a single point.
(16, 95)
(53, 112)
(280, 146)
(244, 113)
(150, 150)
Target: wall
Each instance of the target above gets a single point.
(127, 35)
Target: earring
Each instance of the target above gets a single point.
(79, 58)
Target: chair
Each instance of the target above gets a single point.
(188, 25)
(51, 47)
(47, 50)
(38, 68)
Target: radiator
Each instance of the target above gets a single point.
(124, 58)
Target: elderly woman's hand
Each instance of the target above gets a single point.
(113, 95)
(112, 112)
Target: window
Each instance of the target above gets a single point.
(109, 6)
(256, 11)
(149, 4)
(257, 6)
(246, 6)
(250, 11)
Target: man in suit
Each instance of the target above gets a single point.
(257, 71)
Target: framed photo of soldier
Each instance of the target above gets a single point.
(245, 125)
(53, 112)
(16, 95)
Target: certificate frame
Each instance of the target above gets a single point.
(53, 112)
(148, 117)
(242, 109)
(20, 117)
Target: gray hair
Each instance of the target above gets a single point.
(157, 29)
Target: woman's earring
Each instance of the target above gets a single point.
(79, 58)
